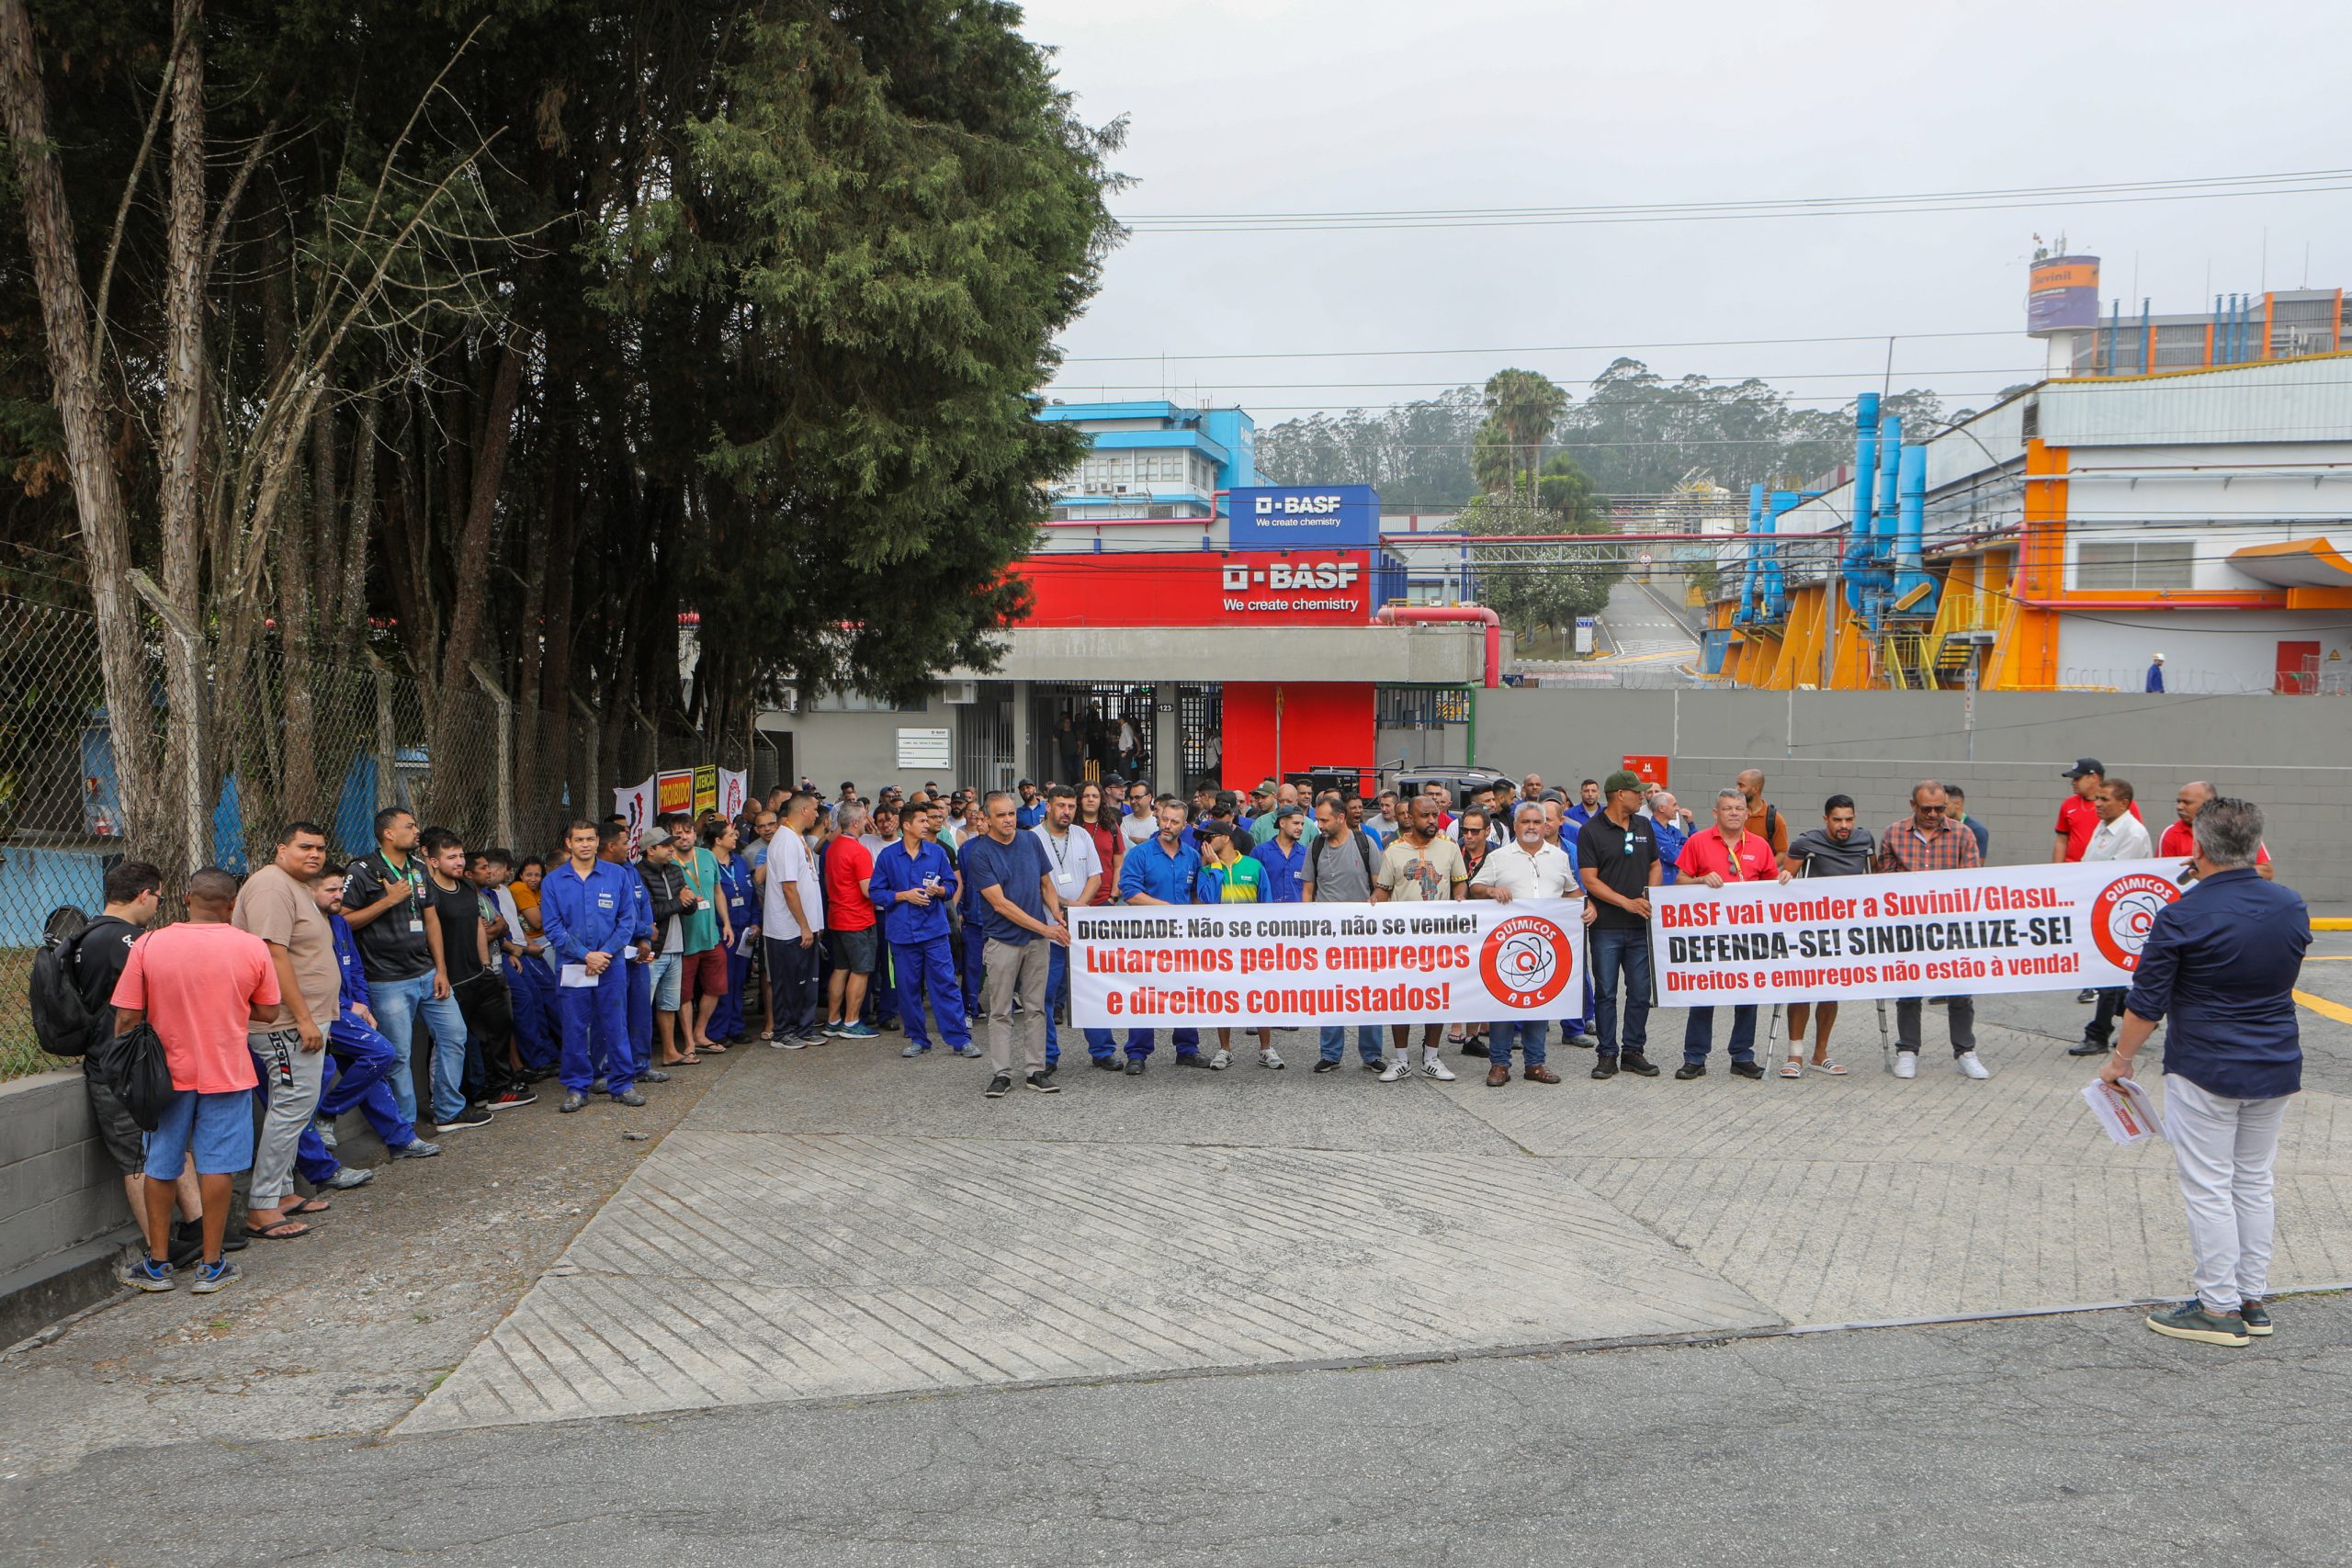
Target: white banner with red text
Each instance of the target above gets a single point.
(1299, 966)
(2010, 927)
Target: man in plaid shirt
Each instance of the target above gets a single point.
(1926, 840)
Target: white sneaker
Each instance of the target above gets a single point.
(1266, 1058)
(1394, 1070)
(1433, 1067)
(1970, 1067)
(324, 1127)
(1906, 1064)
(1221, 1061)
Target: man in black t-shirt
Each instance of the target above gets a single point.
(1617, 861)
(475, 983)
(384, 903)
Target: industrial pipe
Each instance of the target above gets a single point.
(1746, 610)
(1865, 475)
(1414, 615)
(1914, 591)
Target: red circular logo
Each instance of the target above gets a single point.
(2123, 913)
(1526, 962)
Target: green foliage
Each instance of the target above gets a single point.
(1554, 593)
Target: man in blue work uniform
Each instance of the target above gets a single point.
(635, 1047)
(589, 913)
(913, 884)
(1283, 853)
(1162, 870)
(358, 1066)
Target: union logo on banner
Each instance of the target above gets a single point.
(1526, 962)
(2123, 912)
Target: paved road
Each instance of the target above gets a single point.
(2059, 1441)
(1641, 630)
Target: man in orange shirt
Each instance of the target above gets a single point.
(201, 984)
(1764, 818)
(1726, 853)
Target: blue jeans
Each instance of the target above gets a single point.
(1101, 1043)
(1368, 1043)
(976, 942)
(1699, 1033)
(1140, 1042)
(397, 1004)
(1621, 954)
(727, 1018)
(929, 967)
(1527, 1033)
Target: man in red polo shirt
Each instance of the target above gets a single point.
(2179, 841)
(1726, 852)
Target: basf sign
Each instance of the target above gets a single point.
(1309, 516)
(1327, 588)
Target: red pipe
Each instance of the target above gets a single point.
(1409, 615)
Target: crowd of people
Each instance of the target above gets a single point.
(429, 984)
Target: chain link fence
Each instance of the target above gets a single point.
(333, 740)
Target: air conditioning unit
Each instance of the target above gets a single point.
(959, 691)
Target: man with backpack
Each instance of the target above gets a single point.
(73, 989)
(200, 985)
(1340, 865)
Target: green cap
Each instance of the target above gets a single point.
(1624, 778)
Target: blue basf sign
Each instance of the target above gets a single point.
(1284, 517)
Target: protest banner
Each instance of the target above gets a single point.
(1298, 966)
(674, 790)
(2012, 928)
(706, 789)
(634, 805)
(732, 792)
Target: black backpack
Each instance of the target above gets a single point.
(65, 1024)
(132, 1064)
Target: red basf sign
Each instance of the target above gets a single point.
(1264, 588)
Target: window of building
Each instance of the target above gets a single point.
(2142, 565)
(858, 701)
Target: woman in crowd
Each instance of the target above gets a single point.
(1099, 815)
(726, 1026)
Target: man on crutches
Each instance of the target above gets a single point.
(1836, 848)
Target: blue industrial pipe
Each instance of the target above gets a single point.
(1858, 533)
(1775, 583)
(1914, 591)
(1746, 611)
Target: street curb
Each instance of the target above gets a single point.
(2332, 922)
(398, 1431)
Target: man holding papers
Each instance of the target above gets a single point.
(2222, 960)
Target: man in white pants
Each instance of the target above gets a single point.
(2222, 960)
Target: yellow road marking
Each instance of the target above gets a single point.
(2325, 1007)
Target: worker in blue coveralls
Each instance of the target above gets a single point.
(1161, 870)
(638, 1049)
(913, 882)
(589, 913)
(358, 1066)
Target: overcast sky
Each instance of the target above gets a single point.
(1288, 105)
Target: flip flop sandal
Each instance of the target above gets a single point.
(684, 1062)
(284, 1230)
(1832, 1068)
(713, 1049)
(304, 1206)
(1791, 1069)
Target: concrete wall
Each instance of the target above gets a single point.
(63, 1218)
(2291, 755)
(1438, 655)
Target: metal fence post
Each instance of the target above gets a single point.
(505, 707)
(586, 809)
(387, 754)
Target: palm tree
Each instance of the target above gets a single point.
(1524, 406)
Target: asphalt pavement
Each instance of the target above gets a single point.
(2067, 1440)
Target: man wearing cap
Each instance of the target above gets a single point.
(1031, 809)
(1261, 804)
(1280, 853)
(2156, 673)
(1617, 861)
